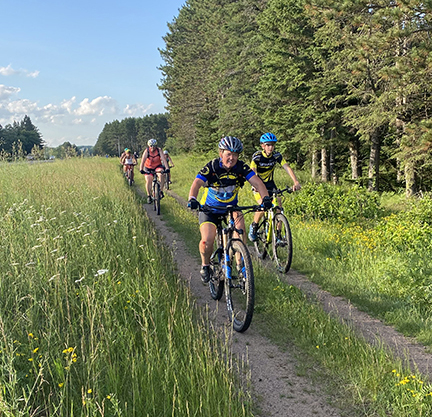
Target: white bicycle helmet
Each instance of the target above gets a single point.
(166, 152)
(152, 142)
(231, 143)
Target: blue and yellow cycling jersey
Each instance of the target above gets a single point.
(222, 186)
(265, 165)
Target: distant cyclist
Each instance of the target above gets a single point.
(222, 178)
(170, 164)
(264, 163)
(153, 162)
(128, 161)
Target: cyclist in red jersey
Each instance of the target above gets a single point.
(153, 162)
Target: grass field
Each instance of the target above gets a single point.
(342, 259)
(93, 318)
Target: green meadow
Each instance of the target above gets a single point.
(94, 320)
(358, 245)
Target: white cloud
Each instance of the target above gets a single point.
(7, 71)
(136, 110)
(33, 74)
(67, 104)
(98, 106)
(21, 106)
(6, 92)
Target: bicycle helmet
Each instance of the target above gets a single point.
(166, 152)
(231, 143)
(152, 142)
(268, 137)
(126, 149)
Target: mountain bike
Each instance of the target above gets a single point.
(129, 174)
(274, 230)
(167, 179)
(232, 269)
(156, 192)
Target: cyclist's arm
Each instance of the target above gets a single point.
(259, 186)
(171, 161)
(290, 172)
(195, 187)
(143, 159)
(164, 161)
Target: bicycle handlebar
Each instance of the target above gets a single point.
(229, 209)
(287, 189)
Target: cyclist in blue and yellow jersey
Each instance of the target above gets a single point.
(264, 163)
(222, 178)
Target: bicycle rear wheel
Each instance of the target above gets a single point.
(216, 284)
(240, 289)
(282, 243)
(261, 243)
(156, 197)
(167, 181)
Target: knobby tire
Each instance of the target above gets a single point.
(156, 197)
(282, 244)
(240, 290)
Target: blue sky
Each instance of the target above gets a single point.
(73, 66)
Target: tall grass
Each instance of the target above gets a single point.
(93, 318)
(343, 259)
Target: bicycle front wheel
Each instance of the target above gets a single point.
(240, 289)
(167, 181)
(261, 243)
(156, 197)
(282, 243)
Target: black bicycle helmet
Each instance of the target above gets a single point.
(231, 143)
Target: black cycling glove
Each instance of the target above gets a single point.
(267, 202)
(193, 204)
(142, 171)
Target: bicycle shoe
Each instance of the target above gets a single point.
(253, 237)
(149, 199)
(206, 273)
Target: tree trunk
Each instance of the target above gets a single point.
(314, 167)
(354, 158)
(374, 161)
(410, 179)
(324, 165)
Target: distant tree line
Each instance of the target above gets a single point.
(345, 85)
(20, 137)
(132, 133)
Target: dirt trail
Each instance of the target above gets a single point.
(274, 374)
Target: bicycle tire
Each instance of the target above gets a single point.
(261, 243)
(156, 197)
(167, 181)
(129, 177)
(216, 284)
(240, 289)
(282, 244)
